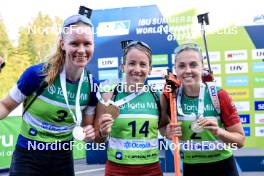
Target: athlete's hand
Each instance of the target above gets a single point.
(89, 133)
(105, 124)
(210, 124)
(173, 129)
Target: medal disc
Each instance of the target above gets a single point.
(78, 133)
(113, 110)
(196, 128)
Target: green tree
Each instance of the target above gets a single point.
(36, 41)
(5, 43)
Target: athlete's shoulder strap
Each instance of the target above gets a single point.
(90, 80)
(157, 100)
(214, 96)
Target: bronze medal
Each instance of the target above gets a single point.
(112, 109)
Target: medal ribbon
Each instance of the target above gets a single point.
(121, 101)
(200, 101)
(78, 117)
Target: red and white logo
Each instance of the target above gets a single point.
(236, 55)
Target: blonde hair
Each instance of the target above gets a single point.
(54, 64)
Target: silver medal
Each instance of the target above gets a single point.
(196, 128)
(78, 133)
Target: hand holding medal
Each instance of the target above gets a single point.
(112, 109)
(196, 127)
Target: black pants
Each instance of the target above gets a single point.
(225, 167)
(41, 163)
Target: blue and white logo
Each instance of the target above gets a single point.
(108, 74)
(258, 67)
(33, 131)
(119, 155)
(245, 118)
(236, 81)
(259, 105)
(247, 131)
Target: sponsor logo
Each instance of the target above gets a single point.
(258, 80)
(245, 118)
(242, 106)
(213, 90)
(258, 54)
(157, 84)
(259, 18)
(238, 94)
(258, 66)
(216, 68)
(113, 28)
(161, 59)
(108, 62)
(259, 92)
(259, 105)
(259, 118)
(32, 132)
(236, 55)
(236, 68)
(214, 56)
(108, 74)
(119, 155)
(236, 81)
(247, 131)
(259, 131)
(158, 72)
(52, 89)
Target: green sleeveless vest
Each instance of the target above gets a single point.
(201, 147)
(134, 135)
(48, 118)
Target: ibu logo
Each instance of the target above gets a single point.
(119, 155)
(213, 90)
(244, 118)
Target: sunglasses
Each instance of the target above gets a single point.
(130, 43)
(75, 19)
(187, 46)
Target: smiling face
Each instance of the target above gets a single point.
(188, 67)
(136, 66)
(78, 45)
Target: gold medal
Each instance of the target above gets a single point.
(112, 109)
(196, 128)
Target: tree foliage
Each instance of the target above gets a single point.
(36, 41)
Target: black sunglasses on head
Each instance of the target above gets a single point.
(130, 43)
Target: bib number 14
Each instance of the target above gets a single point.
(144, 129)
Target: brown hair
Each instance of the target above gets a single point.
(141, 48)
